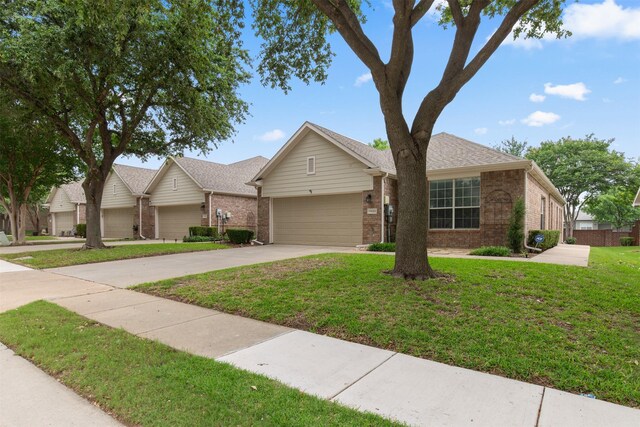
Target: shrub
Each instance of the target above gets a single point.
(239, 236)
(382, 247)
(551, 238)
(515, 233)
(203, 231)
(81, 230)
(492, 251)
(197, 239)
(626, 241)
(571, 240)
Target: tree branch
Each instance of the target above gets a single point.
(420, 10)
(456, 12)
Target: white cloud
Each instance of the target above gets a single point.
(540, 118)
(603, 20)
(575, 91)
(534, 97)
(366, 77)
(270, 136)
(480, 131)
(506, 122)
(619, 80)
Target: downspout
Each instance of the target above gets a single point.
(140, 219)
(382, 216)
(77, 213)
(210, 209)
(526, 232)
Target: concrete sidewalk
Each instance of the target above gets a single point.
(565, 255)
(30, 397)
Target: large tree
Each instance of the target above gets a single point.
(132, 77)
(296, 45)
(616, 204)
(32, 160)
(513, 146)
(581, 169)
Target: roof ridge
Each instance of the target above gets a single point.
(134, 167)
(479, 145)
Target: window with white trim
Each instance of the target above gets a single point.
(175, 184)
(114, 189)
(543, 209)
(454, 203)
(311, 165)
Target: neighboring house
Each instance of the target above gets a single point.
(584, 221)
(327, 189)
(636, 202)
(125, 206)
(187, 192)
(67, 206)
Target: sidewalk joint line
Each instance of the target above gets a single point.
(540, 407)
(124, 306)
(175, 324)
(254, 344)
(54, 299)
(361, 377)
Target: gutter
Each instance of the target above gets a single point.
(209, 214)
(140, 219)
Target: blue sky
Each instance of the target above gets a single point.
(534, 90)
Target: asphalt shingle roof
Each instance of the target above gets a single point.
(136, 178)
(221, 178)
(445, 151)
(75, 192)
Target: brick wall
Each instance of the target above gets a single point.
(83, 214)
(499, 191)
(148, 229)
(372, 222)
(600, 237)
(244, 211)
(635, 233)
(535, 192)
(263, 217)
(391, 190)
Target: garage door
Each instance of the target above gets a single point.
(63, 222)
(174, 221)
(118, 223)
(318, 220)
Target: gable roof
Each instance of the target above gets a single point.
(215, 177)
(636, 202)
(446, 153)
(73, 190)
(136, 179)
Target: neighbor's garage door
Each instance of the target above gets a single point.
(63, 221)
(174, 221)
(118, 222)
(318, 220)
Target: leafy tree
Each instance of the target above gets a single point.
(616, 204)
(295, 35)
(126, 77)
(513, 146)
(32, 160)
(515, 233)
(581, 169)
(380, 144)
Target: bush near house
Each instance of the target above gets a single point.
(571, 240)
(81, 230)
(491, 251)
(382, 247)
(626, 241)
(515, 234)
(203, 231)
(551, 238)
(239, 236)
(198, 239)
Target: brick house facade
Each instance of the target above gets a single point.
(243, 210)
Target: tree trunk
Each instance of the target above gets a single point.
(93, 187)
(411, 235)
(570, 220)
(22, 224)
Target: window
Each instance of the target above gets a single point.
(175, 184)
(311, 165)
(454, 203)
(114, 189)
(543, 208)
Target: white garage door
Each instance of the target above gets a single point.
(118, 223)
(174, 221)
(318, 220)
(63, 222)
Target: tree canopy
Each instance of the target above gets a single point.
(132, 77)
(513, 146)
(615, 205)
(581, 169)
(380, 144)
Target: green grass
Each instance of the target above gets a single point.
(66, 257)
(35, 238)
(572, 328)
(146, 383)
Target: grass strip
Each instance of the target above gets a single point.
(66, 257)
(572, 328)
(142, 382)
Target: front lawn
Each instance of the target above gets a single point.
(572, 328)
(34, 238)
(66, 257)
(146, 383)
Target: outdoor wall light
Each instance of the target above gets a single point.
(368, 198)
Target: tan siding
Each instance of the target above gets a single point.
(187, 193)
(61, 202)
(118, 223)
(318, 220)
(336, 171)
(122, 197)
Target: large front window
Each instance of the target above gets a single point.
(454, 203)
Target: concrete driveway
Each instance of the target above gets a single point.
(135, 271)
